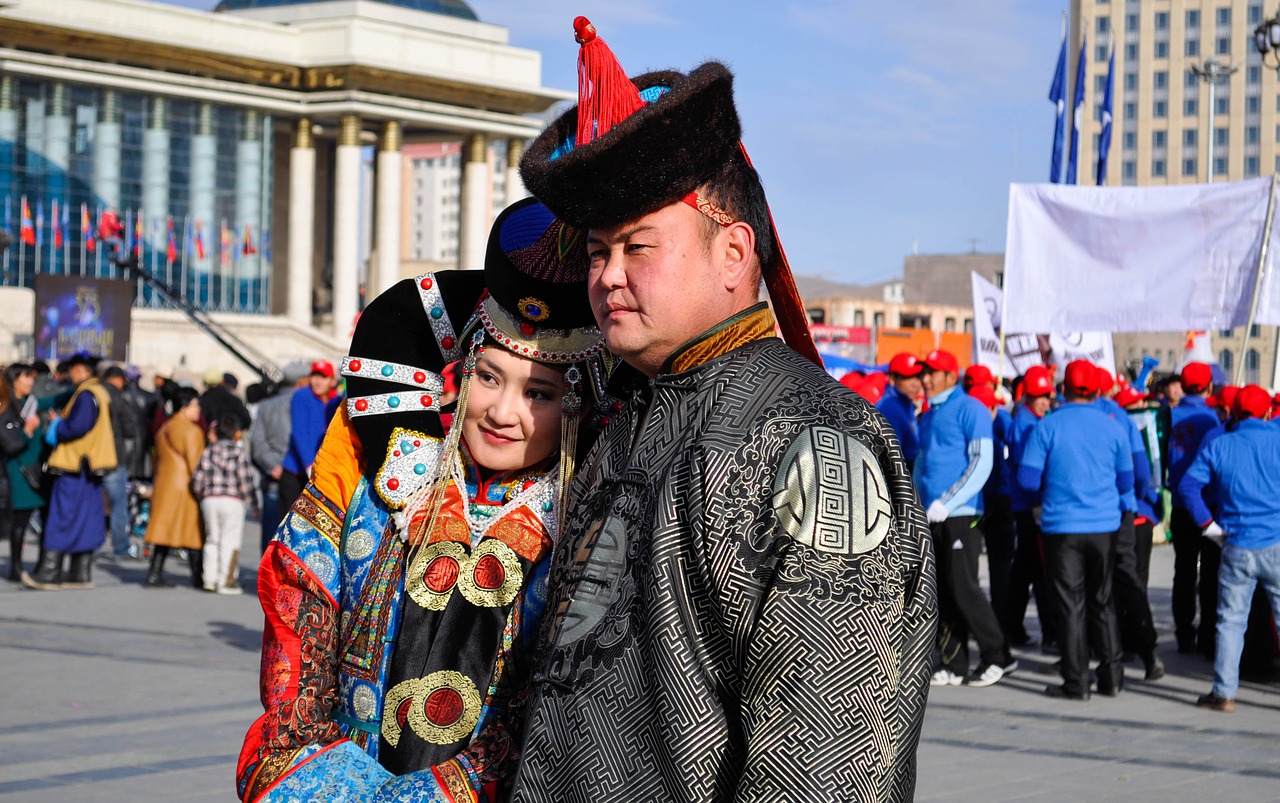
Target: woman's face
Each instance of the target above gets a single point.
(23, 384)
(513, 411)
(192, 410)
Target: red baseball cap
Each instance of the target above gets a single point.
(1196, 377)
(978, 375)
(1224, 397)
(905, 364)
(1081, 378)
(1104, 378)
(986, 395)
(939, 360)
(1038, 381)
(1252, 400)
(1128, 396)
(322, 367)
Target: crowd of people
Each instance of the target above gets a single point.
(1062, 485)
(99, 469)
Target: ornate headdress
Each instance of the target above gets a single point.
(633, 146)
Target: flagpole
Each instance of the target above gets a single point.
(1257, 282)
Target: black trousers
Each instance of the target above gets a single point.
(1080, 570)
(291, 486)
(1194, 558)
(963, 609)
(1029, 577)
(14, 525)
(1000, 538)
(1129, 587)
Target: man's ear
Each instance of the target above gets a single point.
(738, 247)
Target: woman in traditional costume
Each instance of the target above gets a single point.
(405, 586)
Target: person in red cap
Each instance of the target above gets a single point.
(956, 454)
(1081, 463)
(1028, 563)
(1194, 557)
(997, 518)
(307, 422)
(900, 403)
(1245, 524)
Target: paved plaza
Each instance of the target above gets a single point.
(126, 694)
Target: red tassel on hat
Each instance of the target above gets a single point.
(606, 96)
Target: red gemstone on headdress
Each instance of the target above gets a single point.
(362, 404)
(417, 444)
(616, 407)
(527, 485)
(426, 400)
(426, 282)
(419, 377)
(583, 30)
(393, 483)
(447, 342)
(354, 365)
(528, 329)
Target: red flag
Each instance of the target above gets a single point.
(85, 231)
(57, 226)
(27, 231)
(227, 242)
(173, 251)
(199, 241)
(137, 235)
(248, 249)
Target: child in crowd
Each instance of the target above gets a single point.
(225, 485)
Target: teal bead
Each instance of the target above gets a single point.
(387, 370)
(546, 506)
(393, 402)
(406, 447)
(420, 469)
(436, 312)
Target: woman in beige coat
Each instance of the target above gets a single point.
(175, 513)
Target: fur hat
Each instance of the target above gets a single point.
(682, 137)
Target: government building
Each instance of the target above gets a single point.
(275, 162)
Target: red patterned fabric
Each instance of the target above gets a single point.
(299, 651)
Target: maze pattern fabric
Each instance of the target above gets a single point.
(746, 602)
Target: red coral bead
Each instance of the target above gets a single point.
(426, 283)
(528, 329)
(354, 365)
(393, 483)
(362, 404)
(419, 377)
(447, 342)
(426, 401)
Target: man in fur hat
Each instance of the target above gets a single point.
(743, 597)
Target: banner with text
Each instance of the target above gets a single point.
(81, 314)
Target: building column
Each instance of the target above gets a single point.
(473, 228)
(106, 152)
(302, 212)
(249, 200)
(204, 164)
(155, 173)
(57, 157)
(346, 227)
(8, 142)
(387, 234)
(515, 187)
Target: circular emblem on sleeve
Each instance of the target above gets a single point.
(493, 576)
(831, 495)
(440, 708)
(433, 574)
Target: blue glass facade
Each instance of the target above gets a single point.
(198, 175)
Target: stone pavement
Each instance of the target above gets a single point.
(125, 694)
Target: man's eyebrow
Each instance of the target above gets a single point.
(621, 236)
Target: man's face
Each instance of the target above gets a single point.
(936, 382)
(1040, 405)
(321, 385)
(1173, 392)
(78, 373)
(654, 285)
(909, 386)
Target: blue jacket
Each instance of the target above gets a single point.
(1243, 466)
(900, 410)
(1000, 481)
(1141, 466)
(1081, 462)
(1024, 423)
(955, 452)
(306, 411)
(1188, 423)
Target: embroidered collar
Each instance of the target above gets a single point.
(752, 324)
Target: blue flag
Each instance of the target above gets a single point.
(1104, 141)
(1077, 113)
(1058, 95)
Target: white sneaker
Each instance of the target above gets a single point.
(945, 677)
(230, 590)
(986, 675)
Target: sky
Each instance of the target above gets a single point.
(880, 127)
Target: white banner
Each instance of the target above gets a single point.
(1023, 350)
(1137, 259)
